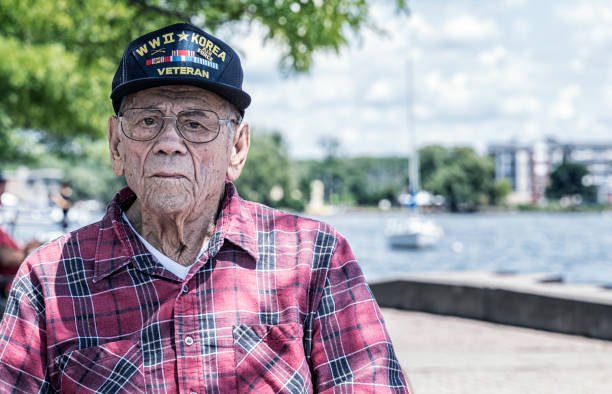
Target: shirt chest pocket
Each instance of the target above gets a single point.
(271, 359)
(114, 367)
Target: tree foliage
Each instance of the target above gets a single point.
(62, 53)
(354, 180)
(269, 167)
(567, 180)
(431, 158)
(465, 179)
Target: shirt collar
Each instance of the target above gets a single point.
(235, 224)
(118, 244)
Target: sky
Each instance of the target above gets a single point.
(468, 72)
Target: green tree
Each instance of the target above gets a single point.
(431, 158)
(501, 189)
(355, 180)
(371, 179)
(464, 179)
(268, 170)
(567, 180)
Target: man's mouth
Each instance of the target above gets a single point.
(167, 175)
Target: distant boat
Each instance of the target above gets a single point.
(414, 232)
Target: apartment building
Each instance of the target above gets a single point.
(528, 166)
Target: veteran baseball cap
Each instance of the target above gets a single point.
(180, 54)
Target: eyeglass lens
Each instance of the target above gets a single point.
(193, 125)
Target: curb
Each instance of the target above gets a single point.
(537, 301)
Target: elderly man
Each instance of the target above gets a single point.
(183, 286)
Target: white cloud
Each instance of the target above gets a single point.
(380, 91)
(531, 129)
(468, 28)
(506, 72)
(422, 112)
(591, 20)
(421, 28)
(520, 105)
(370, 115)
(564, 107)
(521, 28)
(585, 13)
(607, 96)
(452, 91)
(493, 56)
(514, 3)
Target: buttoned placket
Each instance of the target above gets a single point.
(187, 341)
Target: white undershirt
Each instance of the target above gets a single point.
(177, 269)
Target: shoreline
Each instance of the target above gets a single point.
(596, 208)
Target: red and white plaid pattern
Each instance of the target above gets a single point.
(276, 304)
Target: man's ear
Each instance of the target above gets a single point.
(240, 149)
(115, 146)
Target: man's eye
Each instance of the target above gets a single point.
(193, 125)
(148, 121)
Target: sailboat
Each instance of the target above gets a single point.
(414, 231)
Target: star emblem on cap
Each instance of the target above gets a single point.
(183, 36)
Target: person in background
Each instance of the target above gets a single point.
(183, 286)
(63, 199)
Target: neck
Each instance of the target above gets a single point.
(180, 236)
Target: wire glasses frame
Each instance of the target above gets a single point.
(194, 125)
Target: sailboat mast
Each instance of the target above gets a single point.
(413, 171)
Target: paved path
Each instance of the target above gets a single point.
(442, 354)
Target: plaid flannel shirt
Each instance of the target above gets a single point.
(276, 304)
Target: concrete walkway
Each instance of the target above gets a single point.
(442, 354)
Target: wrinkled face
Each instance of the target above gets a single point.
(170, 175)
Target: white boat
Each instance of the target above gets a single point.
(414, 232)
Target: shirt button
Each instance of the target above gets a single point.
(188, 341)
(185, 289)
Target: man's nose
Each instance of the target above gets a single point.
(170, 141)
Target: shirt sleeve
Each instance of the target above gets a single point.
(351, 349)
(23, 339)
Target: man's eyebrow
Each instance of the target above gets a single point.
(146, 107)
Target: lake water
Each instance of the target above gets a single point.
(574, 245)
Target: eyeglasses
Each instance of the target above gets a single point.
(194, 125)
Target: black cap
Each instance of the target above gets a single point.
(180, 54)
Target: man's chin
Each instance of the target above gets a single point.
(168, 201)
(168, 209)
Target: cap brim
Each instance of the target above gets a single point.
(240, 99)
